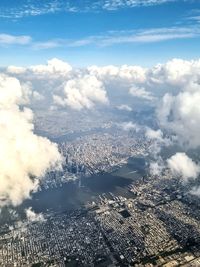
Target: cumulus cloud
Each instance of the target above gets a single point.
(32, 216)
(154, 134)
(172, 76)
(54, 69)
(156, 167)
(15, 70)
(158, 141)
(177, 83)
(127, 126)
(182, 165)
(37, 96)
(124, 73)
(174, 85)
(176, 72)
(53, 66)
(180, 114)
(24, 156)
(148, 84)
(141, 93)
(82, 92)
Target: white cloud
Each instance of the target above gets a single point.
(176, 72)
(151, 36)
(140, 92)
(116, 4)
(7, 39)
(55, 70)
(154, 134)
(32, 216)
(15, 70)
(161, 78)
(124, 107)
(11, 92)
(180, 164)
(37, 96)
(54, 66)
(31, 8)
(174, 77)
(158, 141)
(127, 126)
(47, 44)
(37, 8)
(125, 73)
(24, 156)
(109, 38)
(156, 167)
(177, 85)
(136, 36)
(195, 191)
(180, 114)
(82, 92)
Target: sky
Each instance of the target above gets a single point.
(100, 32)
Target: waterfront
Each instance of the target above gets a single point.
(73, 195)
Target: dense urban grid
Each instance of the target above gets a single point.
(94, 153)
(157, 226)
(154, 223)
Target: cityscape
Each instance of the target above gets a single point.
(154, 222)
(99, 133)
(152, 228)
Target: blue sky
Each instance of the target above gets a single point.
(99, 32)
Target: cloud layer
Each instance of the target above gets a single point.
(172, 90)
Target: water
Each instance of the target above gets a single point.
(72, 196)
